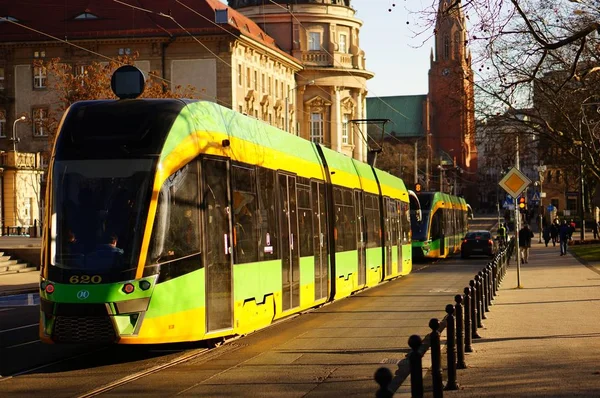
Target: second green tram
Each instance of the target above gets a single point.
(174, 220)
(443, 222)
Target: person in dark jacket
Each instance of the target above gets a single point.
(546, 234)
(564, 232)
(525, 235)
(554, 232)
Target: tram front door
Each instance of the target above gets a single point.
(217, 226)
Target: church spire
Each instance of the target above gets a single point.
(450, 32)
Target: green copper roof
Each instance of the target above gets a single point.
(404, 111)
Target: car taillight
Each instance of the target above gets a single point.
(465, 241)
(490, 242)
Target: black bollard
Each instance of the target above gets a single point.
(468, 329)
(480, 310)
(436, 359)
(416, 367)
(460, 333)
(383, 377)
(486, 289)
(474, 310)
(488, 273)
(495, 277)
(451, 348)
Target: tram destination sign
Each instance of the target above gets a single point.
(514, 182)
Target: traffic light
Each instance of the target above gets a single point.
(418, 187)
(522, 204)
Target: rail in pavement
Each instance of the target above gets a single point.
(541, 339)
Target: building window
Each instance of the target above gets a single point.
(39, 54)
(343, 46)
(40, 120)
(86, 15)
(256, 80)
(248, 78)
(39, 77)
(2, 123)
(345, 119)
(446, 47)
(79, 71)
(240, 75)
(314, 41)
(316, 127)
(262, 83)
(124, 51)
(1, 78)
(270, 85)
(241, 109)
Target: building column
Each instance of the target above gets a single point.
(336, 121)
(359, 142)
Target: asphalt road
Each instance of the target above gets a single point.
(333, 349)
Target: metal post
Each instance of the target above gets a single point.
(517, 221)
(436, 358)
(451, 348)
(460, 333)
(468, 327)
(581, 193)
(14, 134)
(416, 161)
(416, 366)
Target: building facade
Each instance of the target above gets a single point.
(223, 54)
(330, 91)
(452, 100)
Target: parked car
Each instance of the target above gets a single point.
(478, 243)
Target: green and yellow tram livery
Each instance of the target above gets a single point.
(175, 220)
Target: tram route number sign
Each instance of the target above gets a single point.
(514, 182)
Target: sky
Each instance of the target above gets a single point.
(399, 60)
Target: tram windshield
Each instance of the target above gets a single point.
(98, 213)
(419, 228)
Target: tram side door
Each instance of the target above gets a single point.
(320, 244)
(290, 256)
(360, 234)
(217, 224)
(388, 236)
(442, 233)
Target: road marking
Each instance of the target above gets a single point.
(22, 344)
(20, 327)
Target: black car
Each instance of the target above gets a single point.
(478, 242)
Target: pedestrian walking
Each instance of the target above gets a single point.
(565, 235)
(595, 229)
(525, 235)
(554, 232)
(546, 234)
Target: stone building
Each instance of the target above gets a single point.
(331, 89)
(222, 53)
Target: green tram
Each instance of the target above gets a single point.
(437, 231)
(174, 220)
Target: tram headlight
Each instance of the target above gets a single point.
(145, 285)
(128, 288)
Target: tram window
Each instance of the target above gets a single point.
(373, 222)
(305, 220)
(337, 196)
(245, 240)
(436, 225)
(345, 220)
(176, 232)
(405, 220)
(267, 216)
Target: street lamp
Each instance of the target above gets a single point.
(541, 170)
(14, 132)
(287, 101)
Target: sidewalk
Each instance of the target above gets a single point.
(542, 339)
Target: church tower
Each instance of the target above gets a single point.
(452, 101)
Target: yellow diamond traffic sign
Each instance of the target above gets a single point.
(514, 182)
